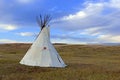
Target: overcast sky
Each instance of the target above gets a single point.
(73, 21)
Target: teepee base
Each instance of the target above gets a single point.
(44, 65)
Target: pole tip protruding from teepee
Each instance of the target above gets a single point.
(43, 20)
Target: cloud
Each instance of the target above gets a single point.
(26, 34)
(68, 41)
(2, 41)
(73, 37)
(109, 38)
(93, 21)
(89, 10)
(85, 18)
(80, 14)
(8, 41)
(114, 3)
(8, 27)
(25, 1)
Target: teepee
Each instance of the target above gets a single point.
(42, 53)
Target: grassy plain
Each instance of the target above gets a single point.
(85, 62)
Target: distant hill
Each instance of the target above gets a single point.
(111, 44)
(28, 44)
(59, 43)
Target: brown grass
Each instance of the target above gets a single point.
(84, 63)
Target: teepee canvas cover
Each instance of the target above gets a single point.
(42, 53)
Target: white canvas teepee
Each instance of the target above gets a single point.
(42, 53)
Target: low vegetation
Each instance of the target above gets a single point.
(85, 62)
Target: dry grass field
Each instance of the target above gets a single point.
(85, 62)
